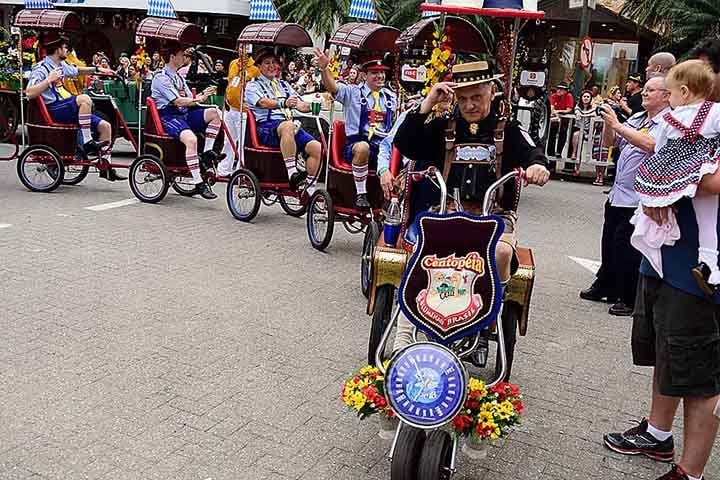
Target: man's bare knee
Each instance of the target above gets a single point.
(503, 257)
(189, 139)
(83, 99)
(286, 128)
(361, 153)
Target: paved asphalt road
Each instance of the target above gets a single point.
(172, 342)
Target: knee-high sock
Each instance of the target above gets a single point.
(360, 175)
(194, 166)
(107, 154)
(291, 166)
(210, 134)
(311, 184)
(84, 122)
(706, 214)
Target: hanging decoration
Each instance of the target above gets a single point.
(440, 63)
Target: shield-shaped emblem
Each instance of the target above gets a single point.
(451, 287)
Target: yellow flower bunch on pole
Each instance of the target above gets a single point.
(334, 66)
(438, 65)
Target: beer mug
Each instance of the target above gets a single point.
(316, 105)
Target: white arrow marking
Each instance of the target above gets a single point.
(592, 265)
(108, 206)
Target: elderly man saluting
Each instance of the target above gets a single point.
(476, 122)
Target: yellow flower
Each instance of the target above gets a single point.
(367, 370)
(478, 386)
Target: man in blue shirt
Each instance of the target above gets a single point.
(182, 118)
(272, 100)
(368, 110)
(46, 81)
(676, 330)
(617, 277)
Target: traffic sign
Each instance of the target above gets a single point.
(586, 52)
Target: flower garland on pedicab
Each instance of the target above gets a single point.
(441, 59)
(364, 393)
(488, 413)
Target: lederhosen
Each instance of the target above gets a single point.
(284, 88)
(368, 116)
(171, 111)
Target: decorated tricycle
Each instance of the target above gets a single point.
(450, 279)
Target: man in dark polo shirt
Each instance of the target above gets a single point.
(632, 103)
(676, 330)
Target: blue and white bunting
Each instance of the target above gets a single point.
(38, 4)
(161, 8)
(263, 10)
(362, 10)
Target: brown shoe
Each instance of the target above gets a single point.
(675, 473)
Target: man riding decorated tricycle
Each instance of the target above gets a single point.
(454, 259)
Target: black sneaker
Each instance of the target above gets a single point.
(596, 293)
(211, 158)
(297, 179)
(637, 441)
(361, 202)
(676, 473)
(91, 148)
(203, 189)
(621, 309)
(111, 175)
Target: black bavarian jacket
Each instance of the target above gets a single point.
(424, 142)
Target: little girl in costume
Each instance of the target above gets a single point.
(687, 148)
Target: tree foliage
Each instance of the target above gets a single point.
(681, 23)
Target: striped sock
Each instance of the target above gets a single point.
(210, 134)
(290, 165)
(84, 121)
(360, 175)
(194, 166)
(106, 154)
(311, 185)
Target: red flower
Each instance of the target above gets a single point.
(472, 404)
(370, 392)
(519, 407)
(461, 422)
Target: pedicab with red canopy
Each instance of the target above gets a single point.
(161, 163)
(54, 156)
(409, 79)
(335, 203)
(270, 177)
(448, 287)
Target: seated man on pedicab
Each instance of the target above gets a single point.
(368, 108)
(272, 100)
(46, 81)
(495, 144)
(183, 118)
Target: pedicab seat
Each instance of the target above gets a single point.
(62, 137)
(342, 187)
(252, 142)
(158, 142)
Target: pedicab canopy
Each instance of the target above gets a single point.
(275, 33)
(463, 35)
(172, 30)
(491, 8)
(48, 20)
(365, 36)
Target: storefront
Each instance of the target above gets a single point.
(621, 46)
(111, 29)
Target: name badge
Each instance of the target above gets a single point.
(235, 82)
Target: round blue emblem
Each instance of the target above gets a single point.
(426, 384)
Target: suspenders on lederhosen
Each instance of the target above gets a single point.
(283, 86)
(48, 69)
(365, 114)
